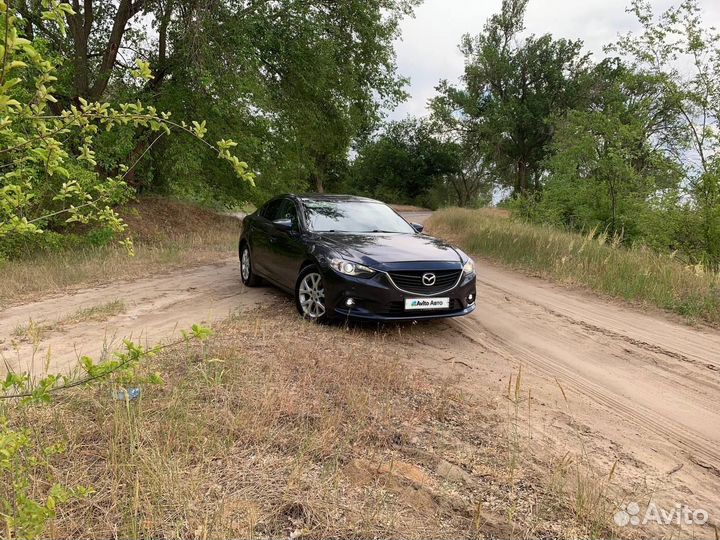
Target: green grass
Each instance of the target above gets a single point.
(638, 275)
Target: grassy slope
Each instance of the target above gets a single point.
(167, 234)
(636, 275)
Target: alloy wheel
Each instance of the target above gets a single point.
(311, 296)
(245, 264)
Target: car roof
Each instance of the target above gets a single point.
(330, 197)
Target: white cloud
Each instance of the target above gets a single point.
(428, 48)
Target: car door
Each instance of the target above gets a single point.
(287, 247)
(260, 242)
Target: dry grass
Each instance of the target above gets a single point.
(277, 427)
(408, 208)
(594, 261)
(157, 220)
(100, 312)
(167, 235)
(34, 331)
(497, 213)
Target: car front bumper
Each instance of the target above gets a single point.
(378, 299)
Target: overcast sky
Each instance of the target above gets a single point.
(428, 51)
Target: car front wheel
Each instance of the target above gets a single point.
(310, 295)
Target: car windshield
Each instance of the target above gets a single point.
(353, 216)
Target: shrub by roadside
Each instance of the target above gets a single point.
(637, 275)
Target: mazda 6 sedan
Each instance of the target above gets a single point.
(352, 257)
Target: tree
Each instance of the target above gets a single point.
(472, 183)
(404, 163)
(675, 38)
(48, 160)
(510, 95)
(609, 158)
(294, 81)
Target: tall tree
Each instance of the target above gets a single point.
(297, 79)
(471, 184)
(679, 49)
(512, 90)
(404, 163)
(47, 161)
(609, 158)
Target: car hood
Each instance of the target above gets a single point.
(389, 250)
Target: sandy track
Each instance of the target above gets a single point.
(626, 388)
(662, 374)
(642, 391)
(157, 308)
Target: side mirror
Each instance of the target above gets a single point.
(283, 224)
(417, 226)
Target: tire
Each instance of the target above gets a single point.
(310, 295)
(248, 276)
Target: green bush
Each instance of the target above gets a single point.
(18, 247)
(99, 237)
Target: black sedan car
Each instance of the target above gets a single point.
(352, 257)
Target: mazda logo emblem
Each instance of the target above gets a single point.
(428, 279)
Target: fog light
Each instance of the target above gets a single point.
(349, 302)
(471, 298)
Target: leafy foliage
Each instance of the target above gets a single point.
(274, 75)
(405, 163)
(48, 175)
(628, 148)
(511, 92)
(604, 165)
(294, 82)
(675, 38)
(641, 159)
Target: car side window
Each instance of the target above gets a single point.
(288, 210)
(271, 210)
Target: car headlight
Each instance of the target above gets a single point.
(350, 268)
(469, 267)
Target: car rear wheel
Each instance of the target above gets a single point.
(310, 295)
(249, 278)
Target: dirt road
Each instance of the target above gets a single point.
(620, 386)
(155, 309)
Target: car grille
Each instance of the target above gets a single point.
(411, 281)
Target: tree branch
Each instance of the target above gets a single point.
(126, 10)
(89, 17)
(76, 23)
